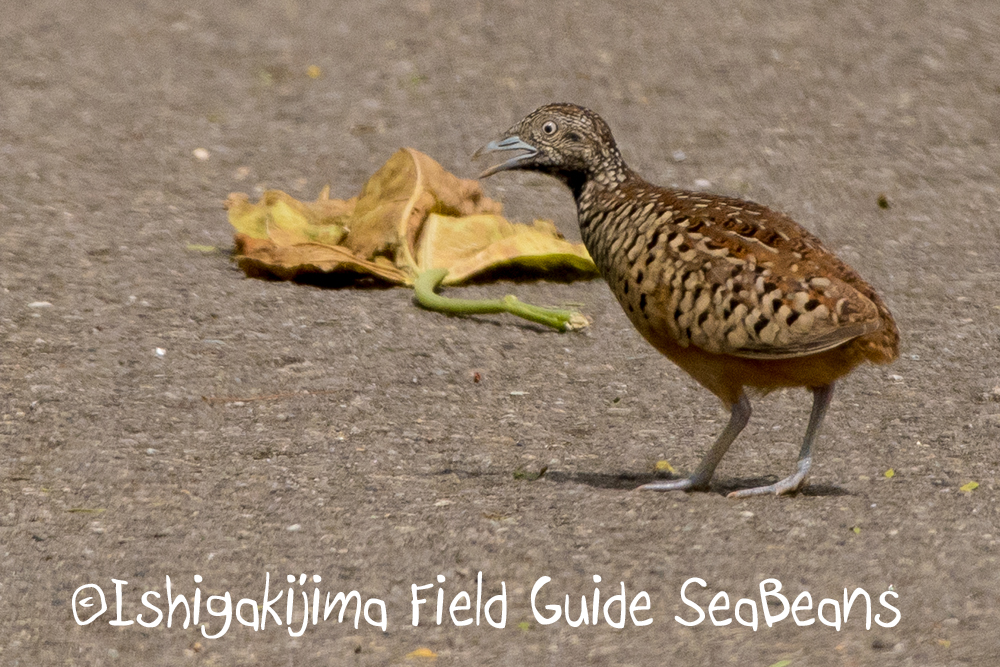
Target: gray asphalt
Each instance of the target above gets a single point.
(396, 466)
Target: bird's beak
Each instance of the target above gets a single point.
(509, 144)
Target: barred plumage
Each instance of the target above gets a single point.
(736, 294)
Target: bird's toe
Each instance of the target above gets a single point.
(686, 484)
(788, 485)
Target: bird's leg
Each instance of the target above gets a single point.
(821, 401)
(738, 417)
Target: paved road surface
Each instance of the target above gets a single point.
(399, 467)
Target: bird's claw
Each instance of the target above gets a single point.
(686, 484)
(788, 485)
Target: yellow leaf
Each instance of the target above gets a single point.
(944, 643)
(970, 487)
(857, 530)
(890, 473)
(524, 625)
(263, 257)
(664, 466)
(397, 199)
(286, 221)
(314, 72)
(422, 652)
(411, 216)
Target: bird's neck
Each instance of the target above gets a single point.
(604, 189)
(603, 204)
(608, 171)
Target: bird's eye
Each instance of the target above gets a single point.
(550, 127)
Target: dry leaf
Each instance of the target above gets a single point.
(287, 221)
(411, 216)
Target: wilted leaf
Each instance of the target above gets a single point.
(286, 221)
(473, 244)
(411, 216)
(264, 256)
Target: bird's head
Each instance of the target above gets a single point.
(564, 140)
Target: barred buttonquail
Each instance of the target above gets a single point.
(737, 295)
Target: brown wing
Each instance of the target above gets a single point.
(742, 280)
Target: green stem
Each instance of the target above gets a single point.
(430, 280)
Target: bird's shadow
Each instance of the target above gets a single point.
(629, 481)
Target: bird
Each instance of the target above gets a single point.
(738, 295)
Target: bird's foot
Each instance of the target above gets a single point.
(787, 485)
(686, 484)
